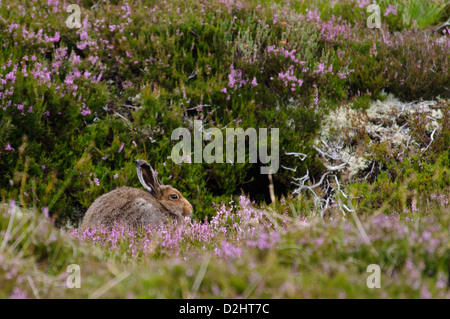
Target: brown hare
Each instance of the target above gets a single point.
(137, 207)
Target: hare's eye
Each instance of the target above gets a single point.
(174, 196)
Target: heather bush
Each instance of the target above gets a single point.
(114, 90)
(246, 252)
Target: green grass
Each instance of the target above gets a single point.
(309, 258)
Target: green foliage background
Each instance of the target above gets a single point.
(146, 91)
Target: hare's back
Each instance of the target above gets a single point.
(128, 205)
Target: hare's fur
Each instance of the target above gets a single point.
(137, 207)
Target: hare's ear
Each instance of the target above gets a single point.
(147, 176)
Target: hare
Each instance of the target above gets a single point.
(136, 207)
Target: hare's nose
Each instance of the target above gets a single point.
(189, 210)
